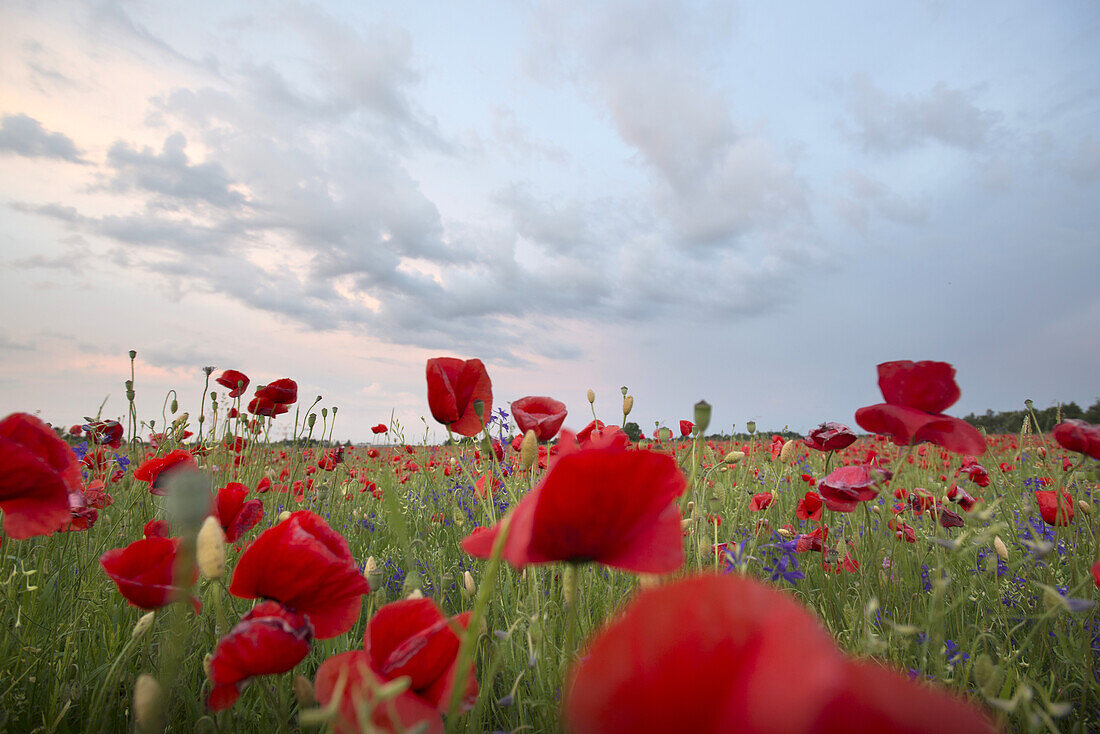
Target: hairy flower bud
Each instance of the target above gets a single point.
(733, 457)
(628, 405)
(1000, 547)
(591, 396)
(788, 451)
(303, 692)
(468, 583)
(148, 705)
(142, 626)
(528, 450)
(210, 549)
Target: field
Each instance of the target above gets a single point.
(984, 597)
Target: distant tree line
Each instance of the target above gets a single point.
(1010, 421)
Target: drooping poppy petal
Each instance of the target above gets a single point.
(809, 507)
(1053, 511)
(453, 387)
(307, 566)
(927, 386)
(847, 486)
(37, 472)
(542, 415)
(156, 471)
(350, 673)
(284, 391)
(144, 572)
(236, 381)
(830, 436)
(413, 638)
(237, 515)
(607, 505)
(270, 639)
(1078, 436)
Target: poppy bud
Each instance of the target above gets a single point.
(148, 704)
(628, 404)
(567, 582)
(528, 450)
(468, 583)
(702, 416)
(751, 427)
(787, 453)
(207, 662)
(142, 625)
(685, 524)
(207, 370)
(415, 594)
(210, 549)
(303, 692)
(479, 410)
(173, 406)
(591, 397)
(1085, 507)
(284, 515)
(1000, 547)
(733, 457)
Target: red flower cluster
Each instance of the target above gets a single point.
(725, 653)
(38, 472)
(605, 504)
(275, 398)
(916, 395)
(406, 638)
(453, 387)
(542, 415)
(307, 566)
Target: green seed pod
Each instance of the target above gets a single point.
(702, 416)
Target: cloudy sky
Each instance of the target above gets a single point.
(752, 203)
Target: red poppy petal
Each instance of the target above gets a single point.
(351, 672)
(898, 422)
(926, 386)
(952, 434)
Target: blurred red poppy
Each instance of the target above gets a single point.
(847, 486)
(236, 514)
(144, 572)
(157, 529)
(1049, 508)
(237, 382)
(830, 436)
(284, 391)
(726, 653)
(686, 427)
(350, 674)
(307, 566)
(81, 516)
(414, 638)
(270, 639)
(916, 394)
(105, 433)
(37, 472)
(542, 415)
(262, 406)
(380, 428)
(760, 501)
(1077, 435)
(157, 470)
(608, 505)
(453, 387)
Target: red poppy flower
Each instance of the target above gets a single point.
(977, 473)
(262, 406)
(724, 653)
(414, 638)
(809, 507)
(307, 566)
(830, 436)
(760, 501)
(351, 673)
(542, 415)
(1096, 573)
(964, 499)
(81, 516)
(1079, 436)
(847, 486)
(1050, 510)
(812, 541)
(916, 395)
(380, 428)
(37, 472)
(157, 470)
(270, 639)
(284, 391)
(686, 427)
(236, 515)
(105, 433)
(237, 382)
(157, 529)
(608, 505)
(144, 572)
(453, 387)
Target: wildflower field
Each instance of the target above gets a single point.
(545, 572)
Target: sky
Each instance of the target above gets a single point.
(748, 203)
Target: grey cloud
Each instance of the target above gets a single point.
(870, 197)
(890, 124)
(170, 173)
(25, 136)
